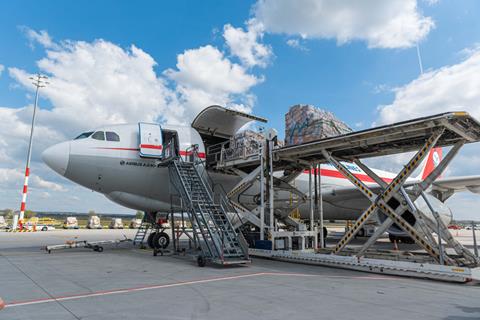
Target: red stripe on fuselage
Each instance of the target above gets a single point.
(151, 146)
(339, 175)
(122, 149)
(182, 153)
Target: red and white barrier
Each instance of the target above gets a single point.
(24, 198)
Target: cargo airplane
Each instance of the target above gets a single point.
(121, 162)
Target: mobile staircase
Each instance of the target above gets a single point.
(142, 231)
(212, 227)
(149, 229)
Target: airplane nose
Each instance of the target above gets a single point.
(57, 156)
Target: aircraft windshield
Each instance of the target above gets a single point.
(84, 135)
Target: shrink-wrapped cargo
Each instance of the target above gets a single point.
(244, 144)
(304, 123)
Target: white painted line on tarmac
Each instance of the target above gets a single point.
(127, 290)
(181, 283)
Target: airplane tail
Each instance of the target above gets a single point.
(430, 162)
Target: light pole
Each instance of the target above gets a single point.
(39, 81)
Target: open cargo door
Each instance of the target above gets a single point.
(150, 140)
(216, 121)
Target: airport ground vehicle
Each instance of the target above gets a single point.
(135, 223)
(44, 227)
(70, 223)
(116, 223)
(94, 223)
(3, 223)
(454, 227)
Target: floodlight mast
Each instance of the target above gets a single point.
(39, 81)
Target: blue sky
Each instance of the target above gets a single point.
(340, 65)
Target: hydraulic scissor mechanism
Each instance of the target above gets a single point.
(281, 185)
(394, 200)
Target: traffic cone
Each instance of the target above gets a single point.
(2, 304)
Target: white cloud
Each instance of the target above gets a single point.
(102, 82)
(245, 44)
(431, 2)
(44, 184)
(381, 88)
(42, 37)
(2, 67)
(204, 76)
(295, 43)
(450, 88)
(382, 24)
(96, 83)
(13, 178)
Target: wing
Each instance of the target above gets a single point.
(457, 184)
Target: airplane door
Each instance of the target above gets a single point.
(150, 140)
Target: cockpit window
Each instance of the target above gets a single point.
(99, 135)
(112, 136)
(84, 135)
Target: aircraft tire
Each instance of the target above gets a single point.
(407, 240)
(150, 240)
(161, 240)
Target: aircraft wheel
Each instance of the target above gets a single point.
(201, 261)
(150, 240)
(161, 240)
(407, 240)
(392, 238)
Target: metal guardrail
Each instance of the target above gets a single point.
(223, 199)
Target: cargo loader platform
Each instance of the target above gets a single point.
(391, 200)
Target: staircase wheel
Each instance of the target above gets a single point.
(150, 240)
(201, 261)
(161, 240)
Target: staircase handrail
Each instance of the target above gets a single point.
(224, 201)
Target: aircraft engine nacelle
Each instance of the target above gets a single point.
(440, 207)
(474, 189)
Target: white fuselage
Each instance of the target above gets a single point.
(115, 169)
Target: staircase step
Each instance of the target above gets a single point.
(211, 223)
